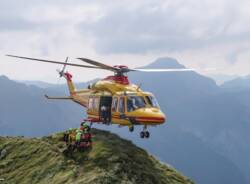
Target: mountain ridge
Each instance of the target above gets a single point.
(165, 62)
(237, 84)
(111, 160)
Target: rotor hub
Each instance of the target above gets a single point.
(121, 69)
(118, 79)
(120, 66)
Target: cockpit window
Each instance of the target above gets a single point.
(152, 101)
(135, 102)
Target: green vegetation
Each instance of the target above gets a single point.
(111, 160)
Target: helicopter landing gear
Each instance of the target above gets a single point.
(144, 133)
(147, 134)
(131, 128)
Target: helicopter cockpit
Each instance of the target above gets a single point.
(152, 101)
(137, 102)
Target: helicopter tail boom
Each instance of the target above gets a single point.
(70, 83)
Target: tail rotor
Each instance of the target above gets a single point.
(61, 72)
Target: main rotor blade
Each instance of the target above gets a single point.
(163, 70)
(101, 65)
(55, 62)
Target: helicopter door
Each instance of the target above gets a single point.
(118, 110)
(121, 107)
(105, 108)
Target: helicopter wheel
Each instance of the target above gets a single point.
(147, 134)
(131, 129)
(142, 134)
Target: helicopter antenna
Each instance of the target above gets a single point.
(139, 86)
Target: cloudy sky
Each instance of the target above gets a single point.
(200, 34)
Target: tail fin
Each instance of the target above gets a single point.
(71, 85)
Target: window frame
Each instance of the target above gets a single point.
(151, 100)
(121, 98)
(90, 103)
(114, 108)
(96, 103)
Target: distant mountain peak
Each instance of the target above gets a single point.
(165, 62)
(3, 77)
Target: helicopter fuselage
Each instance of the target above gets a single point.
(127, 104)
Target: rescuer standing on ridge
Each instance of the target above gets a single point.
(79, 139)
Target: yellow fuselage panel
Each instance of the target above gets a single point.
(82, 97)
(144, 116)
(114, 87)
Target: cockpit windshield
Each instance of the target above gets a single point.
(135, 102)
(152, 101)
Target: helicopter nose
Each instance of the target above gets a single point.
(152, 115)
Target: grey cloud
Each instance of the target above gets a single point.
(142, 29)
(11, 15)
(15, 24)
(232, 57)
(14, 14)
(129, 31)
(139, 26)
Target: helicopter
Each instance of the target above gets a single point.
(113, 100)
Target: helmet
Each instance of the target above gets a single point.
(85, 125)
(82, 123)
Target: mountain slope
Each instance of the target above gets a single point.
(196, 105)
(111, 160)
(25, 111)
(237, 84)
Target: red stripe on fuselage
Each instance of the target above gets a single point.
(145, 119)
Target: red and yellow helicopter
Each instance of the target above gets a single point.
(114, 100)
